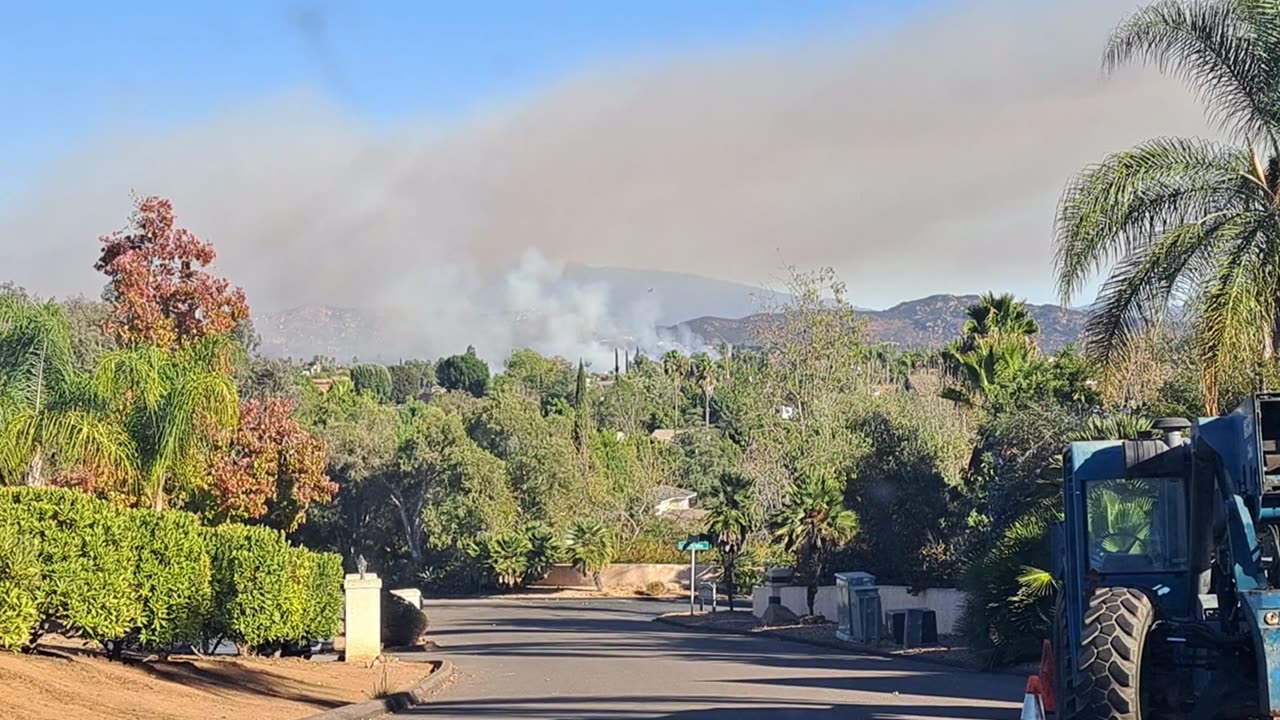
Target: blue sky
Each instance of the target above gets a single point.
(68, 69)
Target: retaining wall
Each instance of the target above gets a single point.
(627, 574)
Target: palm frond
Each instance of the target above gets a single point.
(1140, 287)
(1223, 50)
(1118, 207)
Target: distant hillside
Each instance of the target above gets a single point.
(924, 323)
(344, 333)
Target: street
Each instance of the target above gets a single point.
(608, 659)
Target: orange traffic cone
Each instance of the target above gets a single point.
(1046, 678)
(1032, 703)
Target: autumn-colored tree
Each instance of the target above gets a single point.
(270, 466)
(159, 292)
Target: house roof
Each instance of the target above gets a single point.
(663, 493)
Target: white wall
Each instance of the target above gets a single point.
(947, 603)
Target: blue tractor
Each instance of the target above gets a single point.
(1169, 565)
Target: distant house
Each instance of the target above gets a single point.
(665, 434)
(668, 499)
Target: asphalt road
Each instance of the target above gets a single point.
(608, 659)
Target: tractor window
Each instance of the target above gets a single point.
(1137, 525)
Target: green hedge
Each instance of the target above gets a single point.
(84, 567)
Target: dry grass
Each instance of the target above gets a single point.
(81, 686)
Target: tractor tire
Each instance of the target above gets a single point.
(1107, 681)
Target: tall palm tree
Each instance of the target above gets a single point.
(814, 521)
(1188, 222)
(47, 407)
(1000, 315)
(981, 364)
(733, 516)
(173, 404)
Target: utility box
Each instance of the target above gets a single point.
(858, 607)
(913, 627)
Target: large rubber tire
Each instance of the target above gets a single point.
(1109, 673)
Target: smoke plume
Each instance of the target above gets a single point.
(926, 158)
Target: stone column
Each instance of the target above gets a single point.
(363, 617)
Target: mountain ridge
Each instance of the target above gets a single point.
(928, 322)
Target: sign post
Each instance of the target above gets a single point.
(693, 546)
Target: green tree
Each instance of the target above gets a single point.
(1188, 222)
(581, 410)
(549, 380)
(48, 408)
(374, 379)
(733, 516)
(590, 548)
(814, 521)
(410, 379)
(538, 452)
(87, 320)
(464, 372)
(172, 404)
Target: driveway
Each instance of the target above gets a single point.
(608, 659)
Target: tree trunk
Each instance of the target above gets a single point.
(706, 407)
(412, 530)
(730, 562)
(35, 470)
(598, 579)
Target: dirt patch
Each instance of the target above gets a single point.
(946, 652)
(49, 688)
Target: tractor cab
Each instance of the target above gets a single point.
(1127, 522)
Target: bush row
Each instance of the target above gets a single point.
(80, 566)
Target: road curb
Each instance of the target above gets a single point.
(836, 645)
(415, 695)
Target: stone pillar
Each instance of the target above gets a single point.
(363, 617)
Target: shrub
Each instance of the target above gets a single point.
(19, 588)
(508, 556)
(324, 595)
(173, 576)
(590, 547)
(545, 550)
(251, 587)
(72, 563)
(86, 550)
(403, 625)
(655, 588)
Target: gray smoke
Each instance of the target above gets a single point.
(923, 159)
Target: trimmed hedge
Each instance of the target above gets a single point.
(81, 566)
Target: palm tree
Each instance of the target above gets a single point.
(1188, 222)
(980, 365)
(706, 376)
(1000, 315)
(173, 405)
(47, 407)
(813, 522)
(733, 516)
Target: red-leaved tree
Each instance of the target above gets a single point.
(270, 466)
(161, 294)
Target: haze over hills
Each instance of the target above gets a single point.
(925, 323)
(680, 310)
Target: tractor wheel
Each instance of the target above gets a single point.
(1109, 671)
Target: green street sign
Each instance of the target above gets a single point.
(695, 545)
